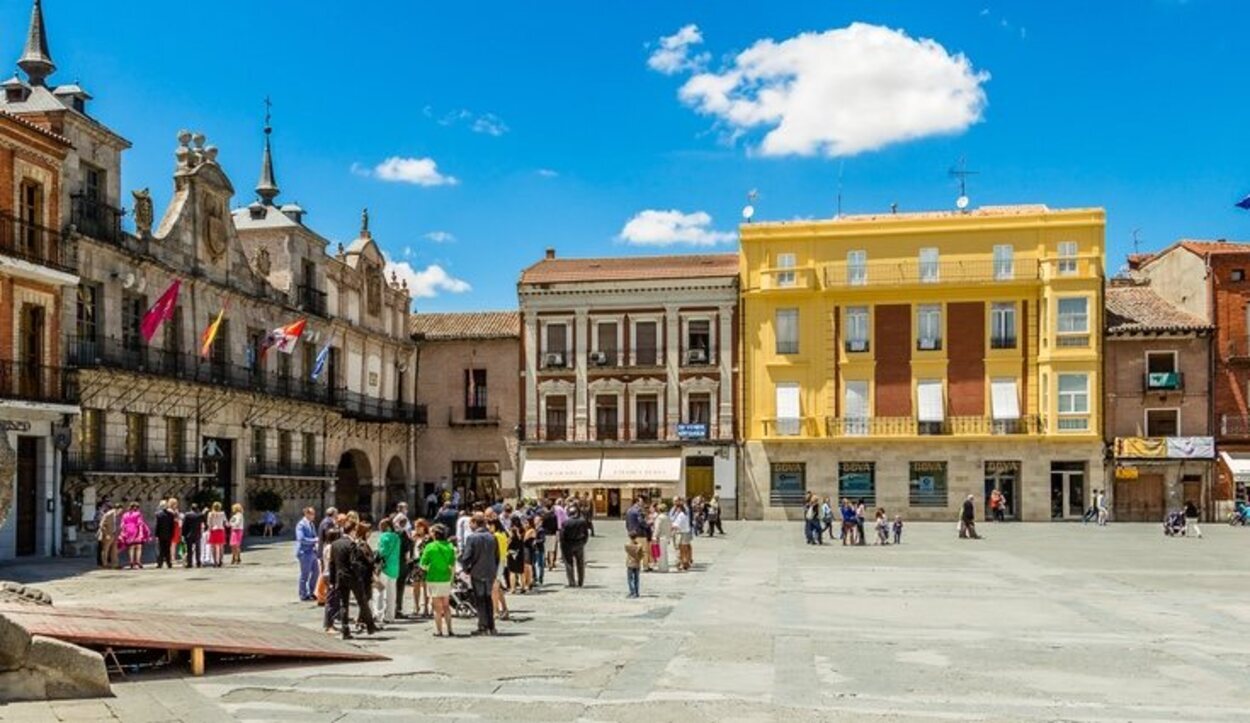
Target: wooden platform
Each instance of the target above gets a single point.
(194, 634)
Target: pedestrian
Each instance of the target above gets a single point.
(811, 520)
(306, 553)
(539, 562)
(501, 573)
(403, 528)
(848, 523)
(714, 517)
(479, 557)
(106, 537)
(329, 522)
(1100, 503)
(166, 521)
(344, 570)
(898, 529)
(882, 525)
(968, 520)
(515, 556)
(237, 523)
(431, 505)
(1092, 512)
(681, 535)
(421, 536)
(573, 539)
(192, 533)
(551, 531)
(331, 612)
(446, 517)
(633, 562)
(134, 533)
(860, 515)
(996, 506)
(388, 554)
(633, 518)
(438, 564)
(661, 533)
(216, 524)
(1191, 519)
(529, 543)
(462, 526)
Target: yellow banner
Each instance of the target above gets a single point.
(1141, 447)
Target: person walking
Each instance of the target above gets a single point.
(968, 520)
(681, 534)
(331, 612)
(216, 524)
(848, 523)
(1100, 503)
(403, 528)
(329, 522)
(633, 518)
(134, 533)
(479, 557)
(177, 536)
(345, 564)
(573, 541)
(539, 562)
(551, 532)
(861, 513)
(192, 533)
(714, 517)
(634, 552)
(306, 553)
(237, 523)
(438, 563)
(166, 521)
(661, 534)
(996, 506)
(106, 536)
(388, 554)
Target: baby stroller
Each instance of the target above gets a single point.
(1241, 515)
(461, 598)
(1174, 525)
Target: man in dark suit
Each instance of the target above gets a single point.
(165, 522)
(343, 571)
(192, 529)
(479, 556)
(573, 541)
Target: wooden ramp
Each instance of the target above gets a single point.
(197, 635)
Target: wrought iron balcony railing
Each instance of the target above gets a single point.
(311, 299)
(911, 426)
(271, 468)
(37, 383)
(80, 462)
(1162, 381)
(473, 416)
(905, 272)
(36, 244)
(96, 219)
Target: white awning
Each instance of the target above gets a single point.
(1004, 400)
(1238, 463)
(929, 399)
(641, 469)
(560, 471)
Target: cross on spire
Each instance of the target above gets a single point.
(267, 186)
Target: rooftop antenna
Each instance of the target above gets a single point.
(961, 172)
(841, 167)
(1136, 241)
(749, 210)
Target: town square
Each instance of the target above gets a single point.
(659, 361)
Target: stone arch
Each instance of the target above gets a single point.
(396, 483)
(353, 489)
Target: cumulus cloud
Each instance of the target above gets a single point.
(666, 228)
(487, 123)
(835, 93)
(417, 171)
(440, 237)
(428, 282)
(672, 54)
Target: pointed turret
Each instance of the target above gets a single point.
(267, 186)
(36, 61)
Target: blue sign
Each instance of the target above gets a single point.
(692, 431)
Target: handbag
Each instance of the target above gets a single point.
(323, 590)
(655, 550)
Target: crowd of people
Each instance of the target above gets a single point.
(196, 537)
(847, 522)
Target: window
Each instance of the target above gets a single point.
(175, 438)
(606, 343)
(1073, 320)
(284, 366)
(605, 417)
(284, 448)
(1163, 422)
(1002, 326)
(1005, 405)
(258, 445)
(87, 321)
(255, 345)
(856, 268)
(92, 434)
(477, 480)
(1067, 258)
(30, 195)
(699, 341)
(556, 429)
(308, 362)
(557, 346)
(857, 328)
(929, 272)
(929, 327)
(789, 415)
(785, 279)
(1073, 402)
(930, 406)
(93, 182)
(136, 438)
(475, 394)
(855, 408)
(310, 449)
(647, 410)
(1237, 275)
(699, 408)
(858, 481)
(1161, 372)
(787, 326)
(1045, 411)
(927, 486)
(787, 483)
(134, 306)
(1004, 262)
(646, 347)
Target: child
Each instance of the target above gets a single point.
(633, 561)
(883, 528)
(898, 529)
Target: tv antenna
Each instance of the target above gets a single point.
(841, 167)
(961, 172)
(1136, 241)
(749, 210)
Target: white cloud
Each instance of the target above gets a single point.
(488, 123)
(407, 252)
(418, 171)
(673, 54)
(547, 173)
(665, 228)
(428, 282)
(440, 237)
(839, 92)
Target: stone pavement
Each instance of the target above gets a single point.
(1038, 621)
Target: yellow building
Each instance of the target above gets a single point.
(913, 359)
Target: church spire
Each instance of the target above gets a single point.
(267, 186)
(36, 60)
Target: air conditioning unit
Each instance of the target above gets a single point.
(598, 358)
(928, 344)
(554, 359)
(857, 345)
(696, 356)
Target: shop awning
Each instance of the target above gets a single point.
(641, 469)
(929, 399)
(1238, 463)
(560, 471)
(1004, 400)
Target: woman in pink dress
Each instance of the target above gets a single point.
(216, 534)
(134, 532)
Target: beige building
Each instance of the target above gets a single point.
(468, 379)
(629, 378)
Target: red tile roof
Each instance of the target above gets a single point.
(1137, 309)
(467, 325)
(631, 268)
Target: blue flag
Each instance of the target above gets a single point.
(1243, 203)
(319, 365)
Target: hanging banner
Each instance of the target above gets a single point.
(1141, 447)
(1191, 447)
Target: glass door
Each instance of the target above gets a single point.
(1067, 490)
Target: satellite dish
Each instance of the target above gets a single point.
(961, 203)
(748, 211)
(143, 285)
(128, 281)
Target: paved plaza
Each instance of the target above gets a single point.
(1038, 621)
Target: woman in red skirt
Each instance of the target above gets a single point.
(216, 534)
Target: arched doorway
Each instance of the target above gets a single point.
(354, 488)
(396, 484)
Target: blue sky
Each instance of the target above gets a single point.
(558, 131)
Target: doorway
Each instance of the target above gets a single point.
(1139, 500)
(614, 502)
(1067, 490)
(220, 451)
(353, 489)
(27, 502)
(700, 478)
(1004, 477)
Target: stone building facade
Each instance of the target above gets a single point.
(469, 381)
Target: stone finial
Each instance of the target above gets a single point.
(340, 250)
(184, 137)
(198, 139)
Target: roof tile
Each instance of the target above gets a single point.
(1139, 309)
(630, 268)
(467, 325)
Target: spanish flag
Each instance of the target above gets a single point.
(210, 333)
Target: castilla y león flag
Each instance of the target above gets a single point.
(161, 311)
(284, 338)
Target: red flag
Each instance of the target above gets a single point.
(161, 311)
(285, 337)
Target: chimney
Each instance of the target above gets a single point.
(551, 252)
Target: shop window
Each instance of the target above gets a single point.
(787, 483)
(858, 481)
(927, 486)
(476, 480)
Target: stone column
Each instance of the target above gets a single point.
(672, 363)
(581, 344)
(725, 364)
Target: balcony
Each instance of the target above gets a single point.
(1163, 382)
(1234, 426)
(24, 382)
(1002, 342)
(269, 468)
(789, 278)
(789, 427)
(35, 244)
(147, 464)
(912, 427)
(371, 409)
(909, 272)
(474, 416)
(96, 219)
(1237, 349)
(311, 300)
